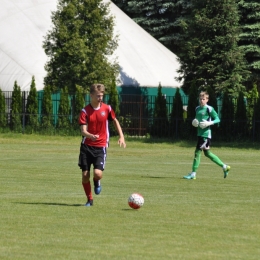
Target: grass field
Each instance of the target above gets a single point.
(43, 214)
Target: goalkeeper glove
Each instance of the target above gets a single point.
(205, 123)
(195, 122)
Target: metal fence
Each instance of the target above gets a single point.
(136, 118)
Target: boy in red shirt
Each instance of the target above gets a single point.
(93, 121)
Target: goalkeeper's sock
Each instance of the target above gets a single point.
(213, 158)
(196, 160)
(87, 189)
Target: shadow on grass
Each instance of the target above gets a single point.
(155, 177)
(50, 204)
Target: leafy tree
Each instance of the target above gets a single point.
(211, 56)
(114, 102)
(113, 98)
(249, 40)
(78, 104)
(162, 19)
(176, 117)
(64, 109)
(251, 97)
(32, 107)
(47, 113)
(160, 121)
(256, 121)
(227, 118)
(191, 131)
(16, 109)
(3, 114)
(241, 117)
(79, 45)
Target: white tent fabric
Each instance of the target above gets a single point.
(23, 24)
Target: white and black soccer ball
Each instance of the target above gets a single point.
(136, 201)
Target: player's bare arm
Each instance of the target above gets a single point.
(84, 132)
(121, 140)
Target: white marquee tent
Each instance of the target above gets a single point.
(23, 24)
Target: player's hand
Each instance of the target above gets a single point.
(195, 122)
(121, 142)
(94, 137)
(205, 123)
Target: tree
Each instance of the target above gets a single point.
(47, 113)
(162, 19)
(241, 117)
(16, 109)
(114, 102)
(79, 45)
(32, 107)
(64, 109)
(78, 105)
(160, 121)
(249, 41)
(210, 55)
(256, 121)
(176, 118)
(227, 118)
(3, 114)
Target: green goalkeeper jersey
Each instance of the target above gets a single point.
(207, 113)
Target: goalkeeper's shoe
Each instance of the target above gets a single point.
(226, 171)
(190, 177)
(89, 203)
(97, 187)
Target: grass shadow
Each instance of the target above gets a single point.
(50, 204)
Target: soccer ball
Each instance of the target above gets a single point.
(136, 201)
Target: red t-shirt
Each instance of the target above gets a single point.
(97, 121)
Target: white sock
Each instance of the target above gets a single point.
(193, 174)
(224, 167)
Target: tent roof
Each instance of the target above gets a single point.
(23, 24)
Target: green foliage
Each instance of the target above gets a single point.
(256, 121)
(47, 110)
(192, 102)
(211, 56)
(78, 104)
(160, 124)
(249, 36)
(251, 97)
(212, 98)
(3, 114)
(241, 117)
(32, 108)
(176, 117)
(114, 102)
(113, 98)
(164, 20)
(227, 118)
(79, 45)
(16, 109)
(64, 110)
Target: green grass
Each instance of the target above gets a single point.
(43, 217)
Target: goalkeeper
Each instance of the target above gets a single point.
(205, 117)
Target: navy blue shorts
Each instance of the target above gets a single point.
(92, 155)
(203, 143)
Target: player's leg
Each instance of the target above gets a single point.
(196, 161)
(99, 166)
(84, 164)
(214, 158)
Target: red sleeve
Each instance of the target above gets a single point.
(111, 115)
(83, 117)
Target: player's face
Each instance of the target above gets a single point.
(97, 97)
(203, 101)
